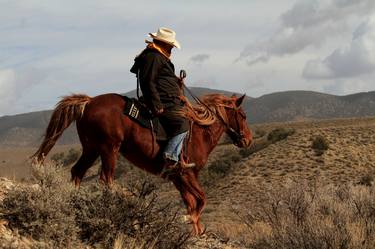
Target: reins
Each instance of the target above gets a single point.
(232, 133)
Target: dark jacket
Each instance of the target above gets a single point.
(161, 89)
(159, 84)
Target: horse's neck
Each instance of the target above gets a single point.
(207, 137)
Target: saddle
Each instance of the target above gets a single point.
(139, 113)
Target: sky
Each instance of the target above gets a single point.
(51, 48)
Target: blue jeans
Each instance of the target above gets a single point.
(173, 149)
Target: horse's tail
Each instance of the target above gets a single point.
(69, 109)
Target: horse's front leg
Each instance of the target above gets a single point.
(193, 197)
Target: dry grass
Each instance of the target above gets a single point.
(253, 181)
(348, 160)
(299, 215)
(55, 214)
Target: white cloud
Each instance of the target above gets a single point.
(307, 24)
(355, 60)
(7, 88)
(14, 84)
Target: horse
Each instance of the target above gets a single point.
(105, 131)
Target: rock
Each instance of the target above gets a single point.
(212, 241)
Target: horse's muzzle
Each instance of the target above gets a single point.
(243, 143)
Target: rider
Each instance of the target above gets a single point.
(161, 90)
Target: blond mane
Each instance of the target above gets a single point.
(199, 113)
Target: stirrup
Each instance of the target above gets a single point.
(169, 167)
(184, 165)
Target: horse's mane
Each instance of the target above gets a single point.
(199, 113)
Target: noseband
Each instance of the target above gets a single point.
(233, 134)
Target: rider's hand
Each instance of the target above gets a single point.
(181, 82)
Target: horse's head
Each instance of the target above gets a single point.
(237, 127)
(227, 111)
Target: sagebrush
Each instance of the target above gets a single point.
(300, 215)
(53, 212)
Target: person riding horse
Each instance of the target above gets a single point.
(162, 91)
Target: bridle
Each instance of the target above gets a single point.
(233, 134)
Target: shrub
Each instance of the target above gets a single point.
(300, 216)
(53, 212)
(319, 144)
(261, 143)
(71, 156)
(257, 145)
(108, 213)
(221, 167)
(43, 211)
(258, 133)
(279, 134)
(366, 180)
(58, 158)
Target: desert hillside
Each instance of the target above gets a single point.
(243, 186)
(350, 159)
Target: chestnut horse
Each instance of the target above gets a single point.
(105, 131)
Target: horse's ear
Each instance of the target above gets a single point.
(240, 100)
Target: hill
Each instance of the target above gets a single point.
(288, 177)
(307, 105)
(27, 129)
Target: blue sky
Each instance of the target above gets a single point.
(53, 48)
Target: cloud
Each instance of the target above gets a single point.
(13, 84)
(307, 24)
(199, 58)
(355, 60)
(7, 79)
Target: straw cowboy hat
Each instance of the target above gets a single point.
(166, 35)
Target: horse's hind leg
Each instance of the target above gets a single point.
(86, 160)
(109, 155)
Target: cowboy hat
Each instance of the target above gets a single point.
(166, 35)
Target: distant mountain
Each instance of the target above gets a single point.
(304, 105)
(27, 129)
(198, 91)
